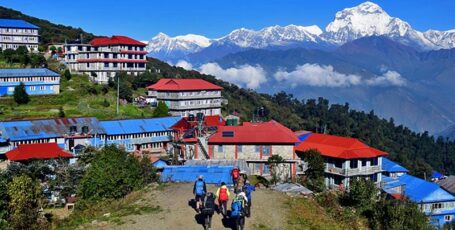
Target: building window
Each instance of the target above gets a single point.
(374, 161)
(448, 218)
(239, 148)
(11, 89)
(220, 148)
(354, 164)
(32, 88)
(266, 169)
(42, 88)
(266, 150)
(364, 163)
(436, 206)
(257, 148)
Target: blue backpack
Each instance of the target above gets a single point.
(236, 208)
(200, 188)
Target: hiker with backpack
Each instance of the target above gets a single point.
(223, 196)
(208, 210)
(235, 173)
(238, 209)
(199, 190)
(248, 189)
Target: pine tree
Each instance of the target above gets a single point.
(20, 94)
(67, 75)
(161, 110)
(61, 112)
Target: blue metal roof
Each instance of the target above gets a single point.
(49, 128)
(436, 174)
(17, 23)
(159, 163)
(36, 72)
(391, 166)
(118, 127)
(212, 174)
(419, 190)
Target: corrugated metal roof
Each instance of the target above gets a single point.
(212, 174)
(118, 127)
(448, 184)
(48, 128)
(391, 166)
(34, 72)
(17, 23)
(419, 190)
(40, 151)
(241, 164)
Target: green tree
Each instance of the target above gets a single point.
(61, 112)
(20, 94)
(59, 50)
(53, 49)
(24, 203)
(99, 182)
(362, 194)
(67, 75)
(274, 163)
(161, 110)
(398, 215)
(37, 60)
(315, 171)
(4, 215)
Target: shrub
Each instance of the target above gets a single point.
(20, 94)
(67, 75)
(161, 110)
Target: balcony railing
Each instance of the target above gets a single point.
(353, 172)
(182, 97)
(200, 106)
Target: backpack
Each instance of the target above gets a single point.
(223, 194)
(236, 208)
(209, 206)
(200, 187)
(235, 173)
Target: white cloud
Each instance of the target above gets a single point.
(316, 75)
(184, 64)
(326, 76)
(388, 78)
(245, 75)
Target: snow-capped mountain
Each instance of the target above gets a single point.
(271, 36)
(164, 46)
(364, 20)
(369, 19)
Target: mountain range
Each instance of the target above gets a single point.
(364, 56)
(366, 19)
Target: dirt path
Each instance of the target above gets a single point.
(268, 211)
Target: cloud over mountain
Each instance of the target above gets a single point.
(245, 75)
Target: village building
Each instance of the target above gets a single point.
(150, 135)
(435, 202)
(345, 158)
(39, 81)
(15, 33)
(40, 151)
(185, 97)
(255, 143)
(102, 58)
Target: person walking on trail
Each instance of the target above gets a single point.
(199, 190)
(248, 189)
(235, 173)
(208, 210)
(238, 209)
(223, 196)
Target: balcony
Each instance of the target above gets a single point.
(177, 96)
(353, 172)
(197, 106)
(85, 68)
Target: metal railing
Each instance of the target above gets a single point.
(353, 172)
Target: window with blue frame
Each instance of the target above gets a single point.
(239, 148)
(257, 148)
(266, 150)
(266, 169)
(220, 148)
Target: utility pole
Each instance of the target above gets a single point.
(118, 92)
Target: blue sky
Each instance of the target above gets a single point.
(142, 19)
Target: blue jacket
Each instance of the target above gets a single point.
(248, 188)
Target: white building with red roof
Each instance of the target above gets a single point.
(255, 143)
(185, 97)
(345, 158)
(102, 58)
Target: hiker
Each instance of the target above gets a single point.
(248, 189)
(223, 196)
(199, 190)
(208, 210)
(235, 173)
(238, 209)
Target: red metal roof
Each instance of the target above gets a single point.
(338, 147)
(167, 84)
(209, 121)
(270, 132)
(41, 151)
(116, 40)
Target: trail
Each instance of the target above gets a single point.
(268, 211)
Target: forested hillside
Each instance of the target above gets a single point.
(420, 152)
(49, 32)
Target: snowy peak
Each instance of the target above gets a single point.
(272, 36)
(162, 45)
